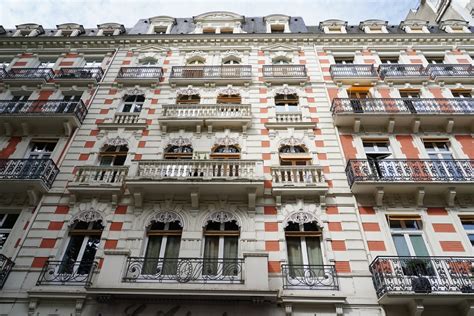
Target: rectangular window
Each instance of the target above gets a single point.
(438, 149)
(461, 93)
(344, 60)
(7, 221)
(435, 59)
(389, 59)
(160, 29)
(277, 28)
(407, 235)
(41, 149)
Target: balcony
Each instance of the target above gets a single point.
(451, 73)
(183, 270)
(6, 266)
(443, 178)
(197, 178)
(435, 280)
(209, 116)
(309, 277)
(28, 176)
(290, 119)
(349, 74)
(403, 73)
(140, 75)
(404, 113)
(226, 74)
(78, 76)
(125, 120)
(298, 180)
(3, 73)
(20, 76)
(41, 116)
(98, 180)
(285, 73)
(67, 273)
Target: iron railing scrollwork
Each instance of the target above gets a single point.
(211, 72)
(284, 71)
(184, 270)
(314, 277)
(29, 169)
(67, 273)
(410, 170)
(30, 73)
(140, 73)
(400, 70)
(422, 106)
(352, 71)
(6, 266)
(80, 73)
(214, 111)
(43, 107)
(3, 73)
(450, 70)
(435, 275)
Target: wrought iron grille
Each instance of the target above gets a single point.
(80, 73)
(43, 107)
(67, 273)
(410, 170)
(446, 70)
(6, 265)
(206, 111)
(349, 70)
(314, 277)
(211, 72)
(29, 169)
(140, 73)
(422, 275)
(184, 270)
(30, 73)
(404, 105)
(3, 73)
(287, 71)
(400, 70)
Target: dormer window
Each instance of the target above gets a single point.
(160, 29)
(333, 26)
(209, 30)
(218, 23)
(28, 30)
(110, 29)
(277, 28)
(277, 23)
(414, 26)
(374, 26)
(455, 26)
(227, 30)
(161, 24)
(69, 30)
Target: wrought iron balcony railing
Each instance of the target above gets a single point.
(314, 277)
(404, 106)
(80, 73)
(30, 73)
(140, 73)
(399, 70)
(284, 71)
(100, 175)
(215, 111)
(3, 73)
(207, 170)
(352, 71)
(43, 108)
(29, 169)
(6, 266)
(436, 275)
(211, 72)
(446, 70)
(294, 175)
(183, 270)
(410, 170)
(67, 273)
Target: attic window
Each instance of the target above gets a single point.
(108, 32)
(334, 28)
(160, 29)
(227, 30)
(209, 30)
(277, 28)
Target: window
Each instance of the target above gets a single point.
(389, 59)
(468, 225)
(438, 149)
(376, 151)
(280, 61)
(286, 103)
(162, 249)
(415, 105)
(197, 61)
(435, 59)
(188, 99)
(229, 99)
(69, 104)
(227, 30)
(303, 244)
(113, 155)
(4, 64)
(7, 221)
(221, 242)
(209, 30)
(355, 95)
(178, 152)
(108, 32)
(226, 152)
(160, 29)
(149, 61)
(461, 93)
(41, 149)
(232, 61)
(344, 60)
(84, 239)
(410, 93)
(133, 103)
(294, 156)
(277, 28)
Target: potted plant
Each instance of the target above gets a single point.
(418, 269)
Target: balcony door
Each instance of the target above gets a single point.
(442, 165)
(133, 103)
(358, 96)
(412, 101)
(162, 249)
(113, 156)
(377, 151)
(41, 150)
(286, 103)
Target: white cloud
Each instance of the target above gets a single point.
(49, 13)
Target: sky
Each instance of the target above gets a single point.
(89, 13)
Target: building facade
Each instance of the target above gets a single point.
(230, 165)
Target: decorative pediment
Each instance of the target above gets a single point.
(88, 216)
(285, 90)
(221, 217)
(180, 142)
(292, 141)
(164, 217)
(231, 53)
(111, 26)
(196, 54)
(227, 141)
(188, 91)
(29, 27)
(218, 16)
(372, 23)
(413, 23)
(116, 141)
(150, 48)
(281, 48)
(161, 19)
(229, 90)
(70, 26)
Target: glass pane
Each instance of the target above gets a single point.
(468, 225)
(230, 255)
(295, 257)
(419, 245)
(412, 225)
(70, 256)
(151, 255)
(313, 246)
(89, 255)
(395, 225)
(401, 245)
(471, 238)
(170, 261)
(211, 253)
(10, 220)
(3, 239)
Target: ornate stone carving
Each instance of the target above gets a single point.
(134, 91)
(231, 53)
(228, 91)
(180, 141)
(196, 54)
(285, 90)
(221, 217)
(300, 218)
(226, 141)
(165, 217)
(188, 91)
(301, 213)
(292, 141)
(116, 141)
(88, 216)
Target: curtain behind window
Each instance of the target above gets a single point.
(152, 254)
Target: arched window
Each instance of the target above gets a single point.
(229, 99)
(113, 155)
(231, 61)
(162, 248)
(294, 155)
(196, 61)
(221, 240)
(281, 61)
(188, 99)
(133, 103)
(226, 152)
(179, 152)
(286, 102)
(84, 239)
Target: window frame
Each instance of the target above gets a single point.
(9, 231)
